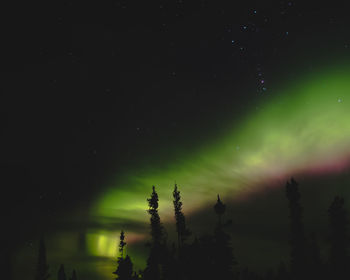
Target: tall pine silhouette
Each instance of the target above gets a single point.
(181, 264)
(125, 266)
(154, 266)
(122, 243)
(224, 259)
(181, 229)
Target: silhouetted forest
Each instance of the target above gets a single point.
(211, 256)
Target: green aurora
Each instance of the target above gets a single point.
(305, 129)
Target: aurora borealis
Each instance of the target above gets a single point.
(304, 130)
(218, 98)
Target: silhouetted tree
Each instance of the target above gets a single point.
(61, 273)
(220, 209)
(125, 266)
(42, 269)
(182, 231)
(154, 267)
(224, 259)
(125, 269)
(121, 243)
(156, 226)
(297, 237)
(74, 276)
(339, 239)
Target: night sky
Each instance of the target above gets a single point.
(100, 102)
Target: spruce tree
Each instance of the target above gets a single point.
(182, 232)
(220, 209)
(125, 269)
(156, 226)
(224, 259)
(125, 266)
(154, 268)
(122, 243)
(42, 269)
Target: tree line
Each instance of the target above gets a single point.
(211, 256)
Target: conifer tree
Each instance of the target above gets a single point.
(338, 259)
(220, 209)
(125, 269)
(224, 259)
(297, 237)
(125, 266)
(182, 231)
(154, 267)
(156, 226)
(42, 269)
(122, 243)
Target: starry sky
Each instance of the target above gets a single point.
(101, 102)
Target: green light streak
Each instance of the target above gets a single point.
(305, 129)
